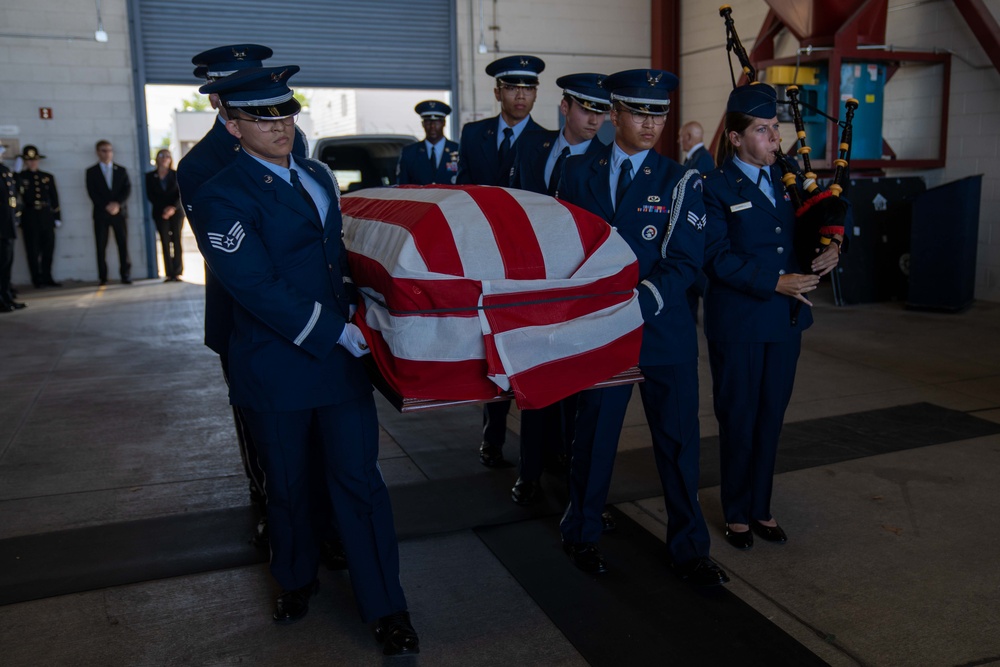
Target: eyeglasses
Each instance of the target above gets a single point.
(641, 118)
(511, 89)
(268, 124)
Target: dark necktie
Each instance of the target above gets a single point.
(301, 189)
(763, 176)
(557, 171)
(508, 138)
(433, 158)
(624, 180)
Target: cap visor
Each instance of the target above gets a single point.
(274, 111)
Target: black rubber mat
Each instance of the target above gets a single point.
(58, 563)
(83, 559)
(638, 613)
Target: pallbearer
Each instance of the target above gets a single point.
(656, 205)
(434, 160)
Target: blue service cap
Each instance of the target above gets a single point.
(225, 60)
(645, 91)
(516, 70)
(432, 109)
(754, 99)
(262, 92)
(588, 90)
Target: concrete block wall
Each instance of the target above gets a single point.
(54, 61)
(577, 36)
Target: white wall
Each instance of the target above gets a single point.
(88, 85)
(569, 35)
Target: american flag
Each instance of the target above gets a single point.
(470, 291)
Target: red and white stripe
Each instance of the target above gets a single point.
(472, 290)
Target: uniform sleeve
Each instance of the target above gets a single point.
(228, 239)
(725, 266)
(682, 250)
(54, 199)
(463, 177)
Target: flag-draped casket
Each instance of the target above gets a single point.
(469, 291)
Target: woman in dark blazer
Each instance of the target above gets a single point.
(161, 190)
(755, 308)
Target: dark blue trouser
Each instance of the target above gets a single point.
(670, 400)
(752, 384)
(348, 436)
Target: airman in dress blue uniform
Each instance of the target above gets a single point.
(493, 151)
(546, 433)
(433, 160)
(269, 226)
(754, 284)
(656, 206)
(212, 154)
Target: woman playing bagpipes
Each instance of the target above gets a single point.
(769, 240)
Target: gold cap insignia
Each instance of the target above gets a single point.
(524, 62)
(239, 55)
(653, 80)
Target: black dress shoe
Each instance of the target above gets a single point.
(397, 635)
(491, 456)
(6, 307)
(587, 557)
(52, 283)
(608, 523)
(293, 605)
(525, 492)
(17, 305)
(332, 553)
(741, 541)
(126, 281)
(769, 533)
(102, 282)
(700, 572)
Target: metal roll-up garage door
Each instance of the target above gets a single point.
(337, 43)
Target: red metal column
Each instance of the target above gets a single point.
(665, 20)
(983, 26)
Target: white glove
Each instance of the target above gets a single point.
(58, 224)
(352, 340)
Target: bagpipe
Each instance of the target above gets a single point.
(820, 212)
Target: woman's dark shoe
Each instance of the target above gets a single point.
(397, 634)
(769, 533)
(741, 541)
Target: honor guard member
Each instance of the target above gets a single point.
(39, 218)
(489, 148)
(696, 156)
(270, 227)
(656, 206)
(754, 285)
(10, 215)
(584, 106)
(433, 160)
(488, 155)
(547, 433)
(212, 154)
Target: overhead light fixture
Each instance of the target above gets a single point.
(99, 34)
(482, 35)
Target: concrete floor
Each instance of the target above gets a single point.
(111, 410)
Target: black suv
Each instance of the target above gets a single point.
(363, 160)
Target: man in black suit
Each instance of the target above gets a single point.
(433, 160)
(109, 188)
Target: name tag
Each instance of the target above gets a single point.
(740, 207)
